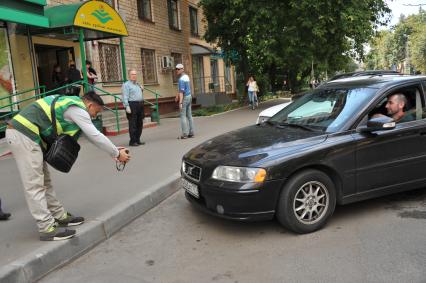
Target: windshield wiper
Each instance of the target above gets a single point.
(285, 124)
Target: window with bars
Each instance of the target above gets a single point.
(149, 70)
(173, 7)
(193, 18)
(177, 59)
(109, 56)
(112, 3)
(144, 10)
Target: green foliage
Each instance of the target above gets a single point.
(280, 39)
(406, 42)
(208, 111)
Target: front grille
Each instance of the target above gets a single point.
(192, 171)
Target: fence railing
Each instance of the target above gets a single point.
(40, 92)
(8, 110)
(211, 84)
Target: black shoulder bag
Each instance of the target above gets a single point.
(63, 150)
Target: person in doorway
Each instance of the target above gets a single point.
(91, 75)
(58, 79)
(73, 76)
(25, 135)
(184, 98)
(252, 91)
(133, 103)
(3, 215)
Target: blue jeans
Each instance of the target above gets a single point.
(186, 122)
(252, 96)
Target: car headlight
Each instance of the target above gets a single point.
(239, 174)
(262, 119)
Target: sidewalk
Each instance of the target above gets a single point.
(106, 198)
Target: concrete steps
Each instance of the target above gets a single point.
(109, 123)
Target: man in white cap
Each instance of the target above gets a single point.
(184, 98)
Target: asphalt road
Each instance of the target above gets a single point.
(380, 240)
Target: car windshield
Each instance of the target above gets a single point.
(325, 110)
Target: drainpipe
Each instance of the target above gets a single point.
(83, 60)
(123, 59)
(33, 62)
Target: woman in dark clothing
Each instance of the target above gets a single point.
(58, 79)
(3, 215)
(73, 75)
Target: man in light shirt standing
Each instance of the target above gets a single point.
(185, 100)
(133, 102)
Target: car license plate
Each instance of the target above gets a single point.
(190, 188)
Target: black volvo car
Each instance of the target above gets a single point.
(348, 140)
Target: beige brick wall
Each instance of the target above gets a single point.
(158, 36)
(155, 35)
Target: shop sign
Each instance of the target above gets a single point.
(98, 15)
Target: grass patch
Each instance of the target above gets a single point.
(208, 111)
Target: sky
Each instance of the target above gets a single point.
(398, 8)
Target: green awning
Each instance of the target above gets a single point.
(28, 12)
(40, 2)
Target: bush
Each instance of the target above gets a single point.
(208, 111)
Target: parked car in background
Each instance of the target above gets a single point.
(266, 114)
(328, 147)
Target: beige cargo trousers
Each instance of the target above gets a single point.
(39, 193)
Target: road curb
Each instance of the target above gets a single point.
(37, 264)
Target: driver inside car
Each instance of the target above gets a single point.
(395, 107)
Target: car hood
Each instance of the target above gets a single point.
(253, 146)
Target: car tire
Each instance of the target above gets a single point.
(306, 202)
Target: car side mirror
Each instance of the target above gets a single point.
(378, 124)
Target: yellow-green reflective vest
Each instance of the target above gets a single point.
(35, 120)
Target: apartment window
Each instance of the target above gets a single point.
(109, 55)
(173, 6)
(149, 71)
(193, 18)
(111, 3)
(144, 10)
(177, 59)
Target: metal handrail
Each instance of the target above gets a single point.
(12, 112)
(156, 108)
(116, 96)
(22, 92)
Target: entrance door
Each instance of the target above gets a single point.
(198, 74)
(47, 57)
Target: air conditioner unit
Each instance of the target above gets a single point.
(167, 62)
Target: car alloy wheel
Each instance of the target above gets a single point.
(311, 202)
(306, 202)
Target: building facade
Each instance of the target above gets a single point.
(161, 33)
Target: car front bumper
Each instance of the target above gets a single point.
(254, 204)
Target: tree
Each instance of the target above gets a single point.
(287, 36)
(404, 43)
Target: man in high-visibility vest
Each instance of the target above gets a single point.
(25, 135)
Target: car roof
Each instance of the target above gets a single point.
(364, 73)
(373, 81)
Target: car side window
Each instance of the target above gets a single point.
(403, 105)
